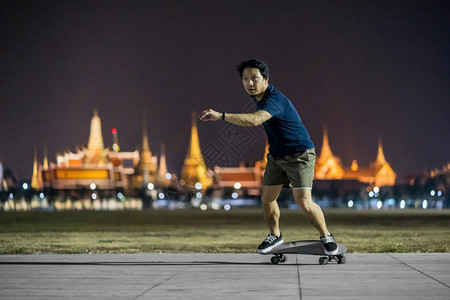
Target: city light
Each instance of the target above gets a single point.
(25, 186)
(350, 203)
(168, 176)
(41, 195)
(93, 186)
(198, 186)
(424, 204)
(161, 196)
(150, 186)
(402, 204)
(237, 185)
(379, 204)
(203, 207)
(234, 195)
(198, 195)
(432, 193)
(227, 207)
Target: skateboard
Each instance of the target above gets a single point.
(312, 247)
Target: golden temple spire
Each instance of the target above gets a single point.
(327, 165)
(35, 176)
(194, 146)
(384, 174)
(354, 166)
(266, 151)
(96, 154)
(145, 144)
(146, 167)
(95, 136)
(381, 160)
(45, 158)
(162, 170)
(194, 169)
(162, 161)
(325, 152)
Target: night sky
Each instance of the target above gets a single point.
(368, 69)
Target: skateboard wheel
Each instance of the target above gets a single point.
(341, 259)
(323, 260)
(274, 260)
(283, 258)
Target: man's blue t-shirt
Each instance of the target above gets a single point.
(285, 130)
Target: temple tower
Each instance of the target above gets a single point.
(381, 160)
(327, 165)
(384, 174)
(45, 165)
(95, 152)
(194, 169)
(162, 171)
(35, 176)
(145, 171)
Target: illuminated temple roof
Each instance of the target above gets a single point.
(379, 173)
(327, 165)
(194, 168)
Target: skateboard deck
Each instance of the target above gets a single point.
(313, 247)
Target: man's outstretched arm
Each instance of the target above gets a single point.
(252, 119)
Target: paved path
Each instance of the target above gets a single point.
(223, 276)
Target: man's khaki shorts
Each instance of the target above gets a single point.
(296, 171)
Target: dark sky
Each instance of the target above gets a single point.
(369, 69)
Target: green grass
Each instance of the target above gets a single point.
(215, 231)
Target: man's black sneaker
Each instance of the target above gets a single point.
(269, 243)
(329, 244)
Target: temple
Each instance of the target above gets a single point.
(194, 168)
(139, 172)
(329, 167)
(146, 168)
(106, 169)
(245, 180)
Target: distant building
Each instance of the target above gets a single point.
(328, 166)
(194, 168)
(97, 165)
(246, 179)
(110, 169)
(146, 169)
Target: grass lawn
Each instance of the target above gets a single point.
(215, 231)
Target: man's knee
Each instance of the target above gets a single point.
(270, 194)
(303, 200)
(304, 204)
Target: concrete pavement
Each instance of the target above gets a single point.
(223, 276)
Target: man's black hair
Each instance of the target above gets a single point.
(254, 63)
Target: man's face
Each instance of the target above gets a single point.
(254, 83)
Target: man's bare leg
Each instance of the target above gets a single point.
(312, 211)
(270, 208)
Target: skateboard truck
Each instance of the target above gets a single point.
(324, 260)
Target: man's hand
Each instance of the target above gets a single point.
(210, 115)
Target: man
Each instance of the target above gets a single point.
(291, 155)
